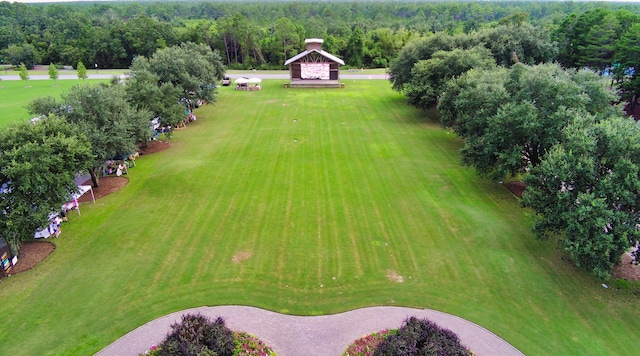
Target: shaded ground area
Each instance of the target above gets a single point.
(107, 186)
(517, 188)
(154, 146)
(626, 269)
(33, 252)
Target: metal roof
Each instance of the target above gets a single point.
(321, 52)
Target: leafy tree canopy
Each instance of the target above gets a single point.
(102, 114)
(194, 68)
(145, 91)
(39, 162)
(587, 190)
(429, 76)
(510, 119)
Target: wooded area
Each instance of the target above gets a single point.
(263, 35)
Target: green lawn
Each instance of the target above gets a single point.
(307, 202)
(16, 94)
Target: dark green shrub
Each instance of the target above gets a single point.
(197, 335)
(421, 337)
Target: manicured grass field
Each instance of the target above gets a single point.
(310, 202)
(16, 94)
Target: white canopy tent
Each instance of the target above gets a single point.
(82, 189)
(254, 80)
(242, 80)
(52, 227)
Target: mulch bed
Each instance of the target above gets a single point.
(153, 147)
(517, 188)
(107, 186)
(31, 253)
(626, 269)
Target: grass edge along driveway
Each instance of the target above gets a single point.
(309, 202)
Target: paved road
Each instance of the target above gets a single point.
(344, 75)
(326, 335)
(60, 77)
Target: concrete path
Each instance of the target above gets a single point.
(326, 335)
(343, 76)
(60, 77)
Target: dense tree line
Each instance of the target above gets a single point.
(258, 34)
(522, 115)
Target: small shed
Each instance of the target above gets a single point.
(314, 67)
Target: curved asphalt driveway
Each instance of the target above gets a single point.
(326, 335)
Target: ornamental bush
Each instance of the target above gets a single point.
(421, 337)
(198, 335)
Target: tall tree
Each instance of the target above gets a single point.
(628, 70)
(25, 53)
(194, 68)
(287, 38)
(599, 47)
(587, 191)
(419, 49)
(145, 91)
(103, 114)
(429, 76)
(38, 166)
(354, 53)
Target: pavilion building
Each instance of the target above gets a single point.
(314, 67)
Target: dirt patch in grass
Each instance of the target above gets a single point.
(241, 256)
(31, 253)
(154, 147)
(107, 186)
(517, 188)
(626, 269)
(394, 276)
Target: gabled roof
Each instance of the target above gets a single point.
(321, 52)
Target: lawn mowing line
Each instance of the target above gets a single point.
(343, 209)
(315, 192)
(330, 210)
(374, 187)
(346, 183)
(320, 213)
(268, 197)
(391, 230)
(244, 174)
(168, 244)
(213, 200)
(365, 192)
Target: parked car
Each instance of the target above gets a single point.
(226, 81)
